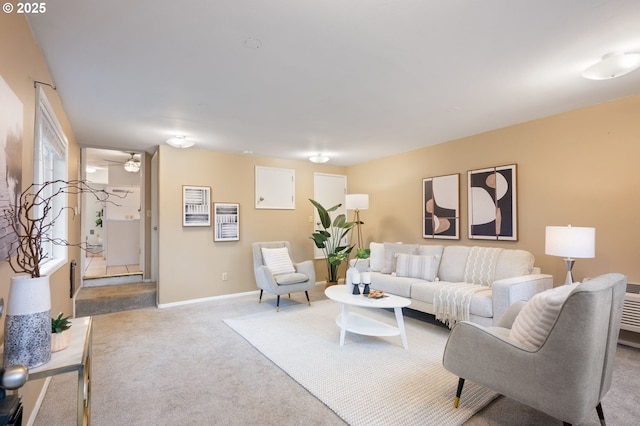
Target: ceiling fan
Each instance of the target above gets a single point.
(131, 165)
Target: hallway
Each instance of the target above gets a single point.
(96, 267)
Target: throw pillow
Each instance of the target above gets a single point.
(416, 266)
(376, 257)
(533, 323)
(390, 252)
(278, 260)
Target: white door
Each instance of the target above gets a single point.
(328, 190)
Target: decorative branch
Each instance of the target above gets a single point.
(33, 218)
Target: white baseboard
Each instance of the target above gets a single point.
(206, 299)
(36, 408)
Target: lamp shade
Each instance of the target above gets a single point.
(570, 241)
(357, 202)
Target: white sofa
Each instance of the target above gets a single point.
(485, 280)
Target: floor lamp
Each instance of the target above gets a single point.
(357, 202)
(570, 242)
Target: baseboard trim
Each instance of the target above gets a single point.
(39, 401)
(206, 299)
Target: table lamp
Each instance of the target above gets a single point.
(570, 242)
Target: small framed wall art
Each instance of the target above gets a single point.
(196, 205)
(227, 221)
(492, 194)
(441, 207)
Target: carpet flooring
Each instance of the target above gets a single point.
(184, 365)
(369, 380)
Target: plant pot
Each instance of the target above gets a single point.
(330, 283)
(60, 341)
(27, 328)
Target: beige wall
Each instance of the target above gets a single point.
(576, 168)
(20, 64)
(190, 262)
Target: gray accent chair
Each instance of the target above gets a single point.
(304, 279)
(566, 377)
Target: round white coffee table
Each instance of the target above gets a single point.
(360, 324)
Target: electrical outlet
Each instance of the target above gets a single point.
(224, 276)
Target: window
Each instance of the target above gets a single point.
(50, 163)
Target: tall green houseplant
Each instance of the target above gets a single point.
(329, 239)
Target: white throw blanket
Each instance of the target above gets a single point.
(452, 302)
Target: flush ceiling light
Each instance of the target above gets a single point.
(91, 169)
(180, 142)
(613, 65)
(318, 158)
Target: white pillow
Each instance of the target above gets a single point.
(533, 323)
(278, 260)
(417, 266)
(376, 257)
(390, 252)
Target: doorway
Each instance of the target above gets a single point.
(112, 232)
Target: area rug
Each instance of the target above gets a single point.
(369, 380)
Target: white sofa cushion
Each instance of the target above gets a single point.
(514, 263)
(390, 251)
(400, 286)
(454, 258)
(481, 265)
(376, 257)
(533, 323)
(430, 250)
(416, 266)
(278, 260)
(481, 302)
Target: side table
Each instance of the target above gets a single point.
(76, 357)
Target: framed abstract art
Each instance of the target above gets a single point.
(196, 205)
(492, 203)
(227, 221)
(441, 207)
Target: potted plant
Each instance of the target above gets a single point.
(330, 239)
(60, 332)
(27, 229)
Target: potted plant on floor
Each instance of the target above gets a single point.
(60, 332)
(330, 239)
(27, 228)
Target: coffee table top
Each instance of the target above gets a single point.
(340, 294)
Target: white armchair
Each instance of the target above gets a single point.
(283, 275)
(569, 370)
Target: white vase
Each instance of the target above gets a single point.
(351, 272)
(27, 328)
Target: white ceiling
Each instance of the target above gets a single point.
(356, 79)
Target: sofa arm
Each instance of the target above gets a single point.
(510, 290)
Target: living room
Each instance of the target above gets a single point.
(573, 168)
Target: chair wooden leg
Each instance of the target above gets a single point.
(260, 299)
(278, 303)
(601, 414)
(458, 392)
(308, 301)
